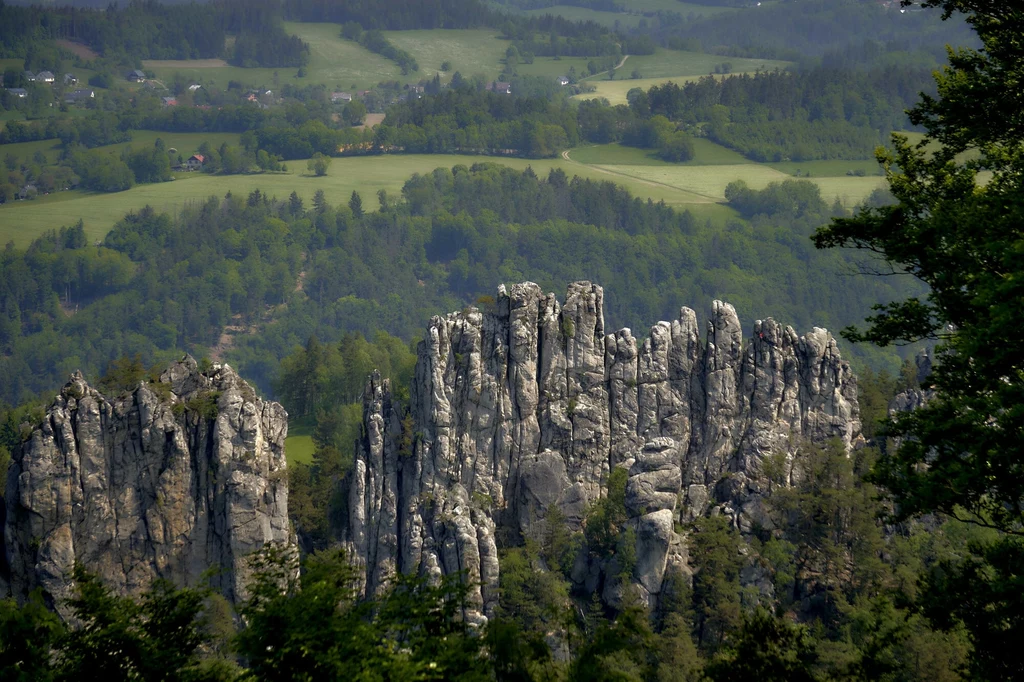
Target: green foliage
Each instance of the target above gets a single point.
(536, 600)
(959, 454)
(123, 375)
(27, 635)
(766, 648)
(204, 405)
(715, 545)
(606, 516)
(313, 628)
(319, 164)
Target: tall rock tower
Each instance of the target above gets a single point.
(529, 406)
(166, 481)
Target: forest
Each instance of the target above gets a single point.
(452, 234)
(898, 560)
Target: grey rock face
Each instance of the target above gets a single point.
(530, 405)
(148, 485)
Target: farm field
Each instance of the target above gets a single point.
(549, 67)
(706, 153)
(615, 91)
(185, 143)
(710, 181)
(668, 63)
(471, 51)
(22, 221)
(344, 64)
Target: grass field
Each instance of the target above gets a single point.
(298, 446)
(469, 51)
(706, 153)
(710, 181)
(185, 143)
(22, 221)
(549, 67)
(668, 63)
(344, 64)
(615, 91)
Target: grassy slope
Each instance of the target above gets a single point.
(24, 220)
(469, 51)
(298, 446)
(339, 63)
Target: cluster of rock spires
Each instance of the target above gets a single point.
(529, 406)
(166, 481)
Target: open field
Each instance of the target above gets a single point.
(298, 446)
(344, 64)
(184, 63)
(185, 143)
(706, 153)
(668, 63)
(615, 91)
(710, 181)
(549, 67)
(22, 221)
(83, 51)
(470, 51)
(834, 168)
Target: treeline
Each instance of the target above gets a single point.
(127, 33)
(269, 47)
(390, 16)
(450, 236)
(137, 30)
(466, 121)
(841, 584)
(803, 115)
(795, 30)
(374, 41)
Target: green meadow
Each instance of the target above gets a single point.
(615, 91)
(22, 221)
(298, 446)
(697, 185)
(345, 64)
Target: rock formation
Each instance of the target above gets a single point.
(529, 406)
(165, 481)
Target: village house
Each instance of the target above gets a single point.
(562, 80)
(194, 87)
(20, 93)
(338, 97)
(80, 96)
(136, 76)
(30, 77)
(500, 87)
(170, 101)
(45, 77)
(70, 79)
(195, 162)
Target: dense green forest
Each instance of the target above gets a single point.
(453, 235)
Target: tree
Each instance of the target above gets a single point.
(767, 649)
(962, 453)
(355, 203)
(319, 164)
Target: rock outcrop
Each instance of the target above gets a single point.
(167, 481)
(529, 406)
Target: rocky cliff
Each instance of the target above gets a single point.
(528, 406)
(165, 481)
